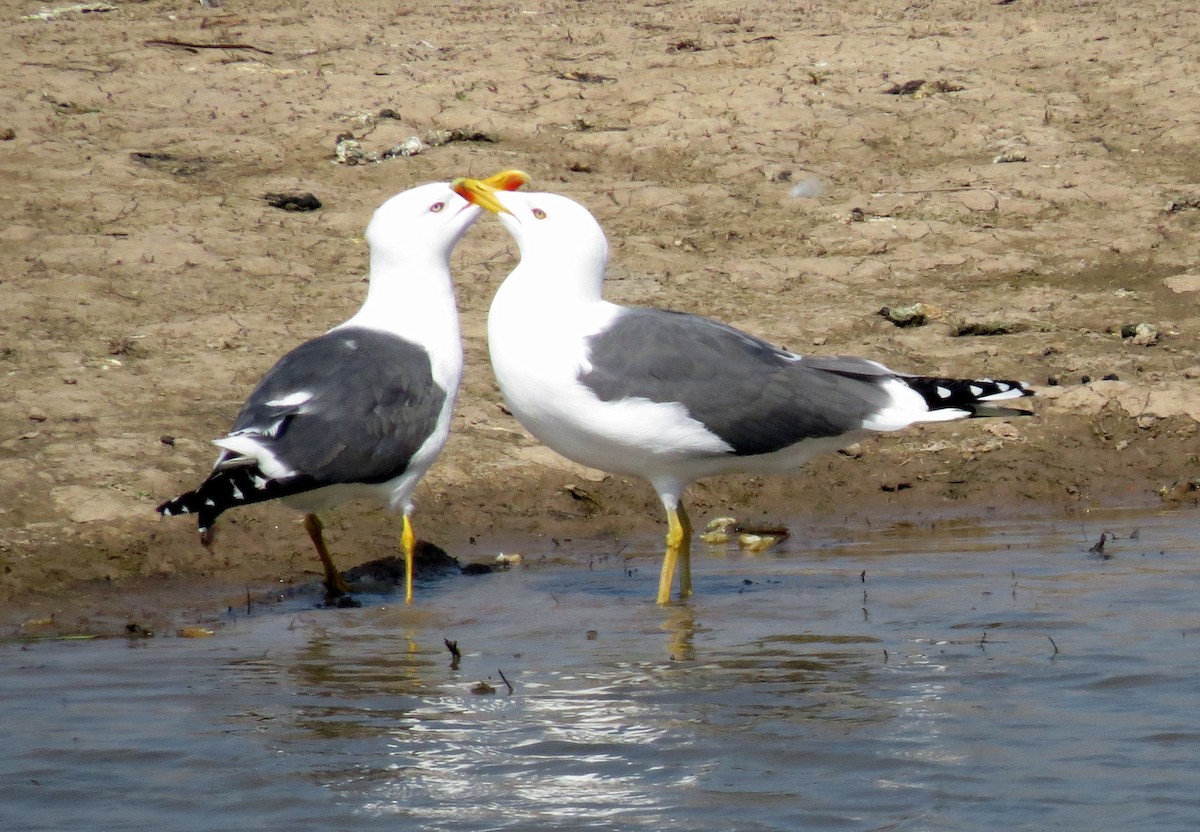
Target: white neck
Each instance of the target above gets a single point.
(413, 298)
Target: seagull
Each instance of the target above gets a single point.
(672, 397)
(363, 410)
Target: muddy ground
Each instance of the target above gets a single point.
(1026, 170)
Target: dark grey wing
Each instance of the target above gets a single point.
(754, 396)
(372, 403)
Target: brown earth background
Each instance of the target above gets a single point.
(1026, 170)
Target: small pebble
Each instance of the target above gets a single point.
(757, 542)
(905, 316)
(293, 202)
(195, 632)
(1010, 156)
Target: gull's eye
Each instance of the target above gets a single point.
(538, 213)
(436, 207)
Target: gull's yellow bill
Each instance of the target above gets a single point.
(482, 192)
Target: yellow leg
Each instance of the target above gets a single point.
(679, 550)
(408, 542)
(335, 585)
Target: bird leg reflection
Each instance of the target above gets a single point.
(680, 628)
(679, 551)
(335, 585)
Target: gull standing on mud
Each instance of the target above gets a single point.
(363, 410)
(672, 397)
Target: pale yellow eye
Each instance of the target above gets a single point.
(436, 207)
(538, 213)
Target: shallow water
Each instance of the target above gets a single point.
(958, 677)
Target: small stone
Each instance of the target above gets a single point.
(437, 138)
(905, 316)
(985, 329)
(195, 632)
(1180, 490)
(719, 530)
(1183, 202)
(722, 523)
(1142, 335)
(348, 151)
(757, 542)
(411, 146)
(293, 202)
(1010, 156)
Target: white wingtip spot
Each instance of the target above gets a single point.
(166, 512)
(944, 392)
(976, 390)
(291, 399)
(237, 492)
(209, 502)
(259, 482)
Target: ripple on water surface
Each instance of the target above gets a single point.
(952, 677)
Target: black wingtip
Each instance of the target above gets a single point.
(228, 488)
(196, 502)
(976, 396)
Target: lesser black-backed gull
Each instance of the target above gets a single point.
(673, 397)
(363, 410)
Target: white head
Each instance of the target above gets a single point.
(410, 294)
(559, 240)
(411, 237)
(419, 226)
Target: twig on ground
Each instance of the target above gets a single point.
(184, 44)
